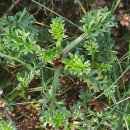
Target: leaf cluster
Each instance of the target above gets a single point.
(97, 22)
(57, 29)
(76, 65)
(6, 125)
(19, 35)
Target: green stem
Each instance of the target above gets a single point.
(18, 60)
(92, 57)
(58, 45)
(73, 43)
(42, 73)
(55, 86)
(55, 80)
(128, 68)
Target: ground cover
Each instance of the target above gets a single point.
(64, 65)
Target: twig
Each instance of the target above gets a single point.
(9, 117)
(3, 105)
(122, 100)
(11, 7)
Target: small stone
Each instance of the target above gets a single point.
(121, 5)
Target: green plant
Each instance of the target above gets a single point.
(6, 125)
(55, 118)
(96, 27)
(77, 65)
(58, 31)
(90, 58)
(94, 70)
(19, 48)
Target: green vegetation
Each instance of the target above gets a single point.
(90, 58)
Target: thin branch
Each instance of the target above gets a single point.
(11, 7)
(122, 100)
